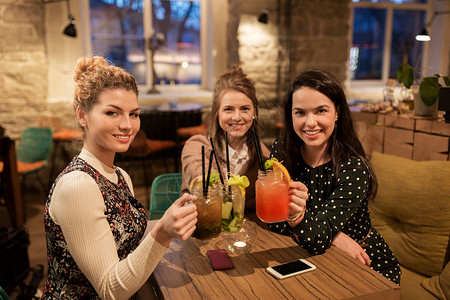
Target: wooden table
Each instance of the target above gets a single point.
(185, 273)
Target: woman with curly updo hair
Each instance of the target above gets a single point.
(98, 242)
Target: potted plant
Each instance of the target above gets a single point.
(425, 92)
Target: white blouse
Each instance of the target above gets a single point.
(238, 159)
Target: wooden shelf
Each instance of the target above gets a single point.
(403, 135)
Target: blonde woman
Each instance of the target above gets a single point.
(98, 242)
(235, 111)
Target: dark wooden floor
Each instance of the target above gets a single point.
(34, 198)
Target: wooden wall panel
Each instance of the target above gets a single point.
(430, 147)
(398, 142)
(370, 136)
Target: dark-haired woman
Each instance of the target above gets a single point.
(333, 179)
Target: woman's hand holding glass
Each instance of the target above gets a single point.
(177, 222)
(298, 195)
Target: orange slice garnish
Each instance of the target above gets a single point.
(281, 171)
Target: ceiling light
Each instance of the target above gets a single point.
(264, 16)
(424, 36)
(69, 30)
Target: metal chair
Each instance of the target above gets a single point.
(33, 151)
(63, 144)
(3, 294)
(165, 190)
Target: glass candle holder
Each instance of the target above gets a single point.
(242, 241)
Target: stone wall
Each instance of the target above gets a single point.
(24, 68)
(272, 54)
(23, 64)
(299, 35)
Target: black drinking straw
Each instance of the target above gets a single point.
(258, 150)
(209, 171)
(227, 156)
(203, 171)
(217, 161)
(227, 159)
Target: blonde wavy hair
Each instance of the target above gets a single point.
(93, 75)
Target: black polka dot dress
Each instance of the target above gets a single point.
(339, 204)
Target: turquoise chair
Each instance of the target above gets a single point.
(33, 151)
(3, 294)
(165, 190)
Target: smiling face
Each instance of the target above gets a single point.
(111, 124)
(236, 113)
(313, 117)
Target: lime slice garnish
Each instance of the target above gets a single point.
(241, 181)
(268, 164)
(226, 210)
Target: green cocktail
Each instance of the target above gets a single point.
(233, 204)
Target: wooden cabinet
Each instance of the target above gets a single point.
(403, 135)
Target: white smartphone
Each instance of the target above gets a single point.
(291, 268)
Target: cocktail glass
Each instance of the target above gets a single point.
(233, 206)
(209, 210)
(272, 197)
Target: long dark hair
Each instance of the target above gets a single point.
(343, 143)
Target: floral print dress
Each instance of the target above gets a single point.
(126, 217)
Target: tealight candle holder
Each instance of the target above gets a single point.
(242, 241)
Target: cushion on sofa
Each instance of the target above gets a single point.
(439, 285)
(412, 209)
(410, 288)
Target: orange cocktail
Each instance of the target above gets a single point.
(272, 197)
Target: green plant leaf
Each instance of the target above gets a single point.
(428, 91)
(405, 75)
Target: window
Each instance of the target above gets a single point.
(119, 34)
(384, 37)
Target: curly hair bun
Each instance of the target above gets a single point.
(88, 65)
(93, 75)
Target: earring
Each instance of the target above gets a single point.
(253, 117)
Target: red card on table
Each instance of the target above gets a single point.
(219, 259)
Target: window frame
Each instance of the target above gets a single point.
(206, 45)
(389, 6)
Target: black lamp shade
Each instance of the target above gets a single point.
(264, 17)
(70, 29)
